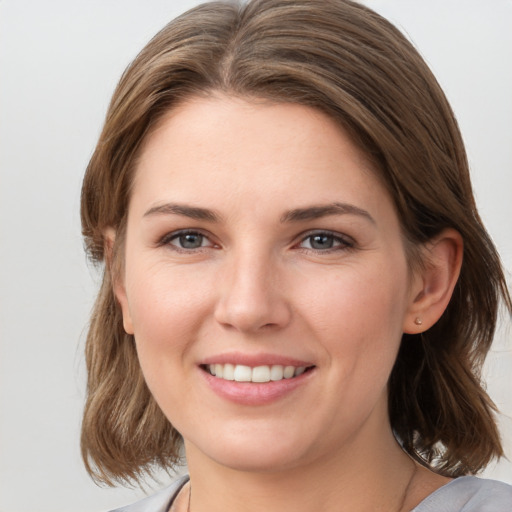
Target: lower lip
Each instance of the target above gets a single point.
(255, 393)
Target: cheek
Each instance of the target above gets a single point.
(360, 296)
(167, 307)
(359, 314)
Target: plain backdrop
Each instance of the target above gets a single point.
(59, 63)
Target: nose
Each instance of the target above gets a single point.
(252, 297)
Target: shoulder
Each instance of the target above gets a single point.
(469, 494)
(158, 502)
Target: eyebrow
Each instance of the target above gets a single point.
(295, 215)
(193, 212)
(319, 211)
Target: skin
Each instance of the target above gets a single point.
(259, 285)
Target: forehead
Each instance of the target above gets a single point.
(229, 146)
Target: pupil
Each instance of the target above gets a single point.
(321, 242)
(191, 241)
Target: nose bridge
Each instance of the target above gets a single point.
(251, 291)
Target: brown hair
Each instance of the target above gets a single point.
(344, 59)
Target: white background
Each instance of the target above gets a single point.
(59, 63)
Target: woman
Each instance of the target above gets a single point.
(298, 288)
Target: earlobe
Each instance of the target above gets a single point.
(120, 294)
(118, 285)
(434, 283)
(109, 236)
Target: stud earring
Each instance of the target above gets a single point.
(418, 320)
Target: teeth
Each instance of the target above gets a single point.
(276, 372)
(288, 372)
(299, 371)
(229, 372)
(242, 373)
(261, 374)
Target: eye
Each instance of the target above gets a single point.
(187, 240)
(324, 241)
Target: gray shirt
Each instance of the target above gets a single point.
(464, 494)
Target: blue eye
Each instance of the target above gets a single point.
(187, 240)
(190, 241)
(324, 241)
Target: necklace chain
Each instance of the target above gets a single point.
(402, 502)
(406, 490)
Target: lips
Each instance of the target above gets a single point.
(262, 373)
(255, 379)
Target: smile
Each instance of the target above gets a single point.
(265, 373)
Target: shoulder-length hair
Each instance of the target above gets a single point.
(347, 61)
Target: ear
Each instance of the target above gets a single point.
(433, 284)
(109, 236)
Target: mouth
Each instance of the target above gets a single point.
(264, 373)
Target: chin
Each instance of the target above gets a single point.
(257, 462)
(257, 454)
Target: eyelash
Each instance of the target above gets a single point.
(344, 242)
(176, 235)
(338, 241)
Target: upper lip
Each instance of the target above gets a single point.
(253, 360)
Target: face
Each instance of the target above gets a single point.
(265, 282)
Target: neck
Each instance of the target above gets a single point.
(362, 477)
